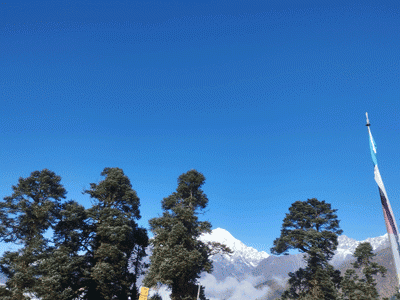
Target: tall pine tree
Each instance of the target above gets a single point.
(117, 244)
(364, 288)
(312, 228)
(63, 269)
(178, 255)
(95, 253)
(26, 215)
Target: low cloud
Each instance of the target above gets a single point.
(232, 289)
(162, 291)
(228, 289)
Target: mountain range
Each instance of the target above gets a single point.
(270, 273)
(249, 256)
(251, 274)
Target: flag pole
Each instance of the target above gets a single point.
(388, 215)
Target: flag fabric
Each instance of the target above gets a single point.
(390, 221)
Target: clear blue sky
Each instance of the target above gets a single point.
(266, 98)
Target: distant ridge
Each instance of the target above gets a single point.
(272, 271)
(268, 272)
(249, 255)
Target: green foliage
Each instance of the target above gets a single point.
(32, 207)
(178, 255)
(63, 268)
(5, 294)
(92, 252)
(26, 215)
(356, 288)
(311, 227)
(307, 283)
(117, 239)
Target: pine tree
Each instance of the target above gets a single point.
(118, 244)
(95, 253)
(178, 255)
(62, 270)
(26, 215)
(354, 287)
(312, 228)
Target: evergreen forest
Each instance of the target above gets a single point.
(66, 251)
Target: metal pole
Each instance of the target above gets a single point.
(198, 292)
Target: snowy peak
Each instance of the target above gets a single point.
(379, 242)
(248, 255)
(347, 246)
(223, 236)
(346, 243)
(220, 235)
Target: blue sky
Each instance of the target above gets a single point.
(266, 98)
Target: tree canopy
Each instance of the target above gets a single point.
(178, 255)
(362, 288)
(94, 253)
(116, 238)
(311, 227)
(26, 215)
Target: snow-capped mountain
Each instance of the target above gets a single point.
(258, 273)
(252, 258)
(240, 263)
(347, 246)
(248, 255)
(247, 261)
(249, 267)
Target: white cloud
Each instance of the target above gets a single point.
(231, 288)
(228, 289)
(162, 291)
